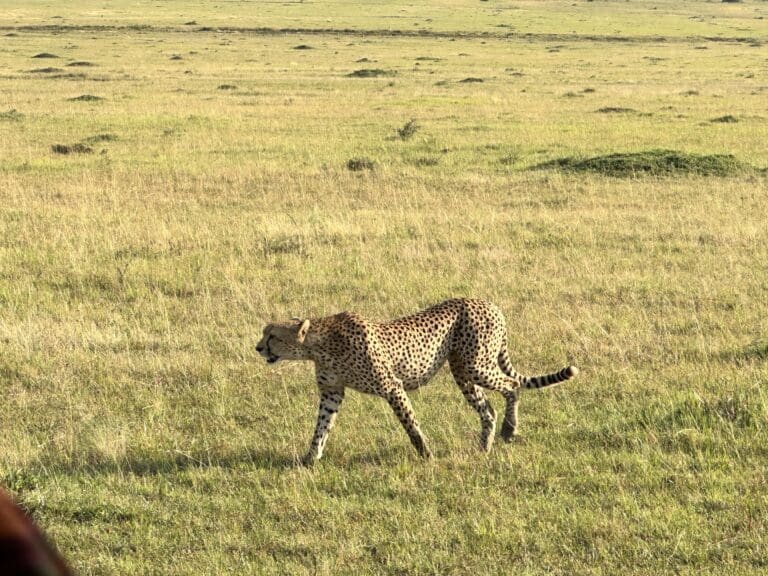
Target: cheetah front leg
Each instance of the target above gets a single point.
(330, 402)
(401, 404)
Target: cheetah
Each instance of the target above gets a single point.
(390, 358)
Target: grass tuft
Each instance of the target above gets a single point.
(408, 129)
(426, 161)
(106, 137)
(615, 110)
(370, 73)
(360, 164)
(85, 98)
(20, 480)
(757, 350)
(77, 148)
(12, 115)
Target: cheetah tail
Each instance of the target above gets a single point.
(550, 379)
(541, 381)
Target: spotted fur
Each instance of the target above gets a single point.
(387, 359)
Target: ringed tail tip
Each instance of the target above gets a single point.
(571, 371)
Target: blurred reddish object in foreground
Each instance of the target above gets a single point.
(23, 548)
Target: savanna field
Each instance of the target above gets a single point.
(173, 175)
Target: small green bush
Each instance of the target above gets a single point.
(408, 129)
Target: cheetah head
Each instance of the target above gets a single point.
(284, 341)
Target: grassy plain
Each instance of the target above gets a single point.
(144, 434)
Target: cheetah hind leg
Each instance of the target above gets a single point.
(498, 381)
(509, 428)
(476, 398)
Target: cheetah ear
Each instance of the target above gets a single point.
(303, 329)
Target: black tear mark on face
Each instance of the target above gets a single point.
(270, 356)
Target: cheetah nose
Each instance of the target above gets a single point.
(259, 348)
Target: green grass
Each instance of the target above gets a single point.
(145, 435)
(653, 163)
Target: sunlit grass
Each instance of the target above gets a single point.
(146, 436)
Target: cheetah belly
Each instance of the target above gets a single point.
(419, 359)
